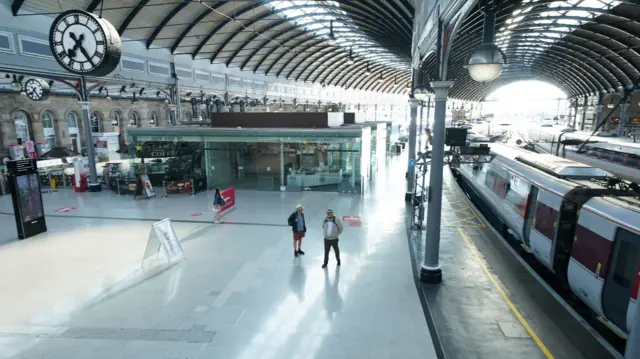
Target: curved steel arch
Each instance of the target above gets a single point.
(389, 76)
(596, 49)
(165, 21)
(268, 13)
(249, 39)
(603, 66)
(375, 73)
(406, 29)
(343, 60)
(307, 47)
(361, 70)
(551, 52)
(401, 79)
(313, 57)
(372, 81)
(132, 14)
(328, 65)
(274, 48)
(301, 32)
(195, 22)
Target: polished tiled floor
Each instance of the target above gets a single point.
(79, 290)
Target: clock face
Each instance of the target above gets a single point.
(79, 42)
(37, 90)
(84, 44)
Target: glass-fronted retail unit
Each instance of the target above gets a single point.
(264, 159)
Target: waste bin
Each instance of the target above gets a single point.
(79, 186)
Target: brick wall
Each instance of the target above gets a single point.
(60, 106)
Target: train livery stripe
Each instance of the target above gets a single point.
(591, 250)
(545, 220)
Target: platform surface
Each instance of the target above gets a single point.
(488, 304)
(78, 291)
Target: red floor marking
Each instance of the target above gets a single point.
(66, 209)
(197, 214)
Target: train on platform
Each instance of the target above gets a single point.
(618, 155)
(578, 221)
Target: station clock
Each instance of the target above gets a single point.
(37, 89)
(85, 44)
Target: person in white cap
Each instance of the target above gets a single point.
(331, 229)
(299, 227)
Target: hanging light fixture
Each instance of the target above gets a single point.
(350, 60)
(487, 60)
(332, 36)
(368, 71)
(380, 79)
(16, 84)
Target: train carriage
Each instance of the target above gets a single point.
(569, 220)
(604, 271)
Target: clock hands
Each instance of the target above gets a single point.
(78, 45)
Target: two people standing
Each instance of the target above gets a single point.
(331, 229)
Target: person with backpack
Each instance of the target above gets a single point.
(218, 203)
(331, 229)
(299, 226)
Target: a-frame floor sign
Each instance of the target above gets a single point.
(163, 236)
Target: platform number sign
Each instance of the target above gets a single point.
(412, 163)
(85, 44)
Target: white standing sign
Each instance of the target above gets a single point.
(168, 239)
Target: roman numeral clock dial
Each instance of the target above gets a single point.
(85, 44)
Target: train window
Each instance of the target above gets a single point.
(632, 160)
(517, 193)
(626, 264)
(593, 153)
(546, 218)
(618, 157)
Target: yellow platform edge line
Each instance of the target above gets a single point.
(504, 295)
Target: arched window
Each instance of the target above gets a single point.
(48, 129)
(22, 126)
(96, 121)
(153, 119)
(74, 132)
(116, 119)
(72, 120)
(134, 119)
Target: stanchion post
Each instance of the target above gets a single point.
(430, 271)
(411, 170)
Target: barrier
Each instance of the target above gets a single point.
(229, 196)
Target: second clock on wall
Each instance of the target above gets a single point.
(85, 44)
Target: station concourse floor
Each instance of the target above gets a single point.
(78, 291)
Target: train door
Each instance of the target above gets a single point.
(529, 213)
(621, 274)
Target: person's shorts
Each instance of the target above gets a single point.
(298, 236)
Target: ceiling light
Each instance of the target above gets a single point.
(610, 105)
(332, 36)
(368, 71)
(420, 93)
(486, 63)
(380, 79)
(16, 84)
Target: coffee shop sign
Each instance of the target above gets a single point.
(167, 138)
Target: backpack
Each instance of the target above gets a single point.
(333, 219)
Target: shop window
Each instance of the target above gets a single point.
(48, 129)
(72, 120)
(95, 122)
(187, 116)
(22, 126)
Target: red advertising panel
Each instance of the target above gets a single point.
(229, 196)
